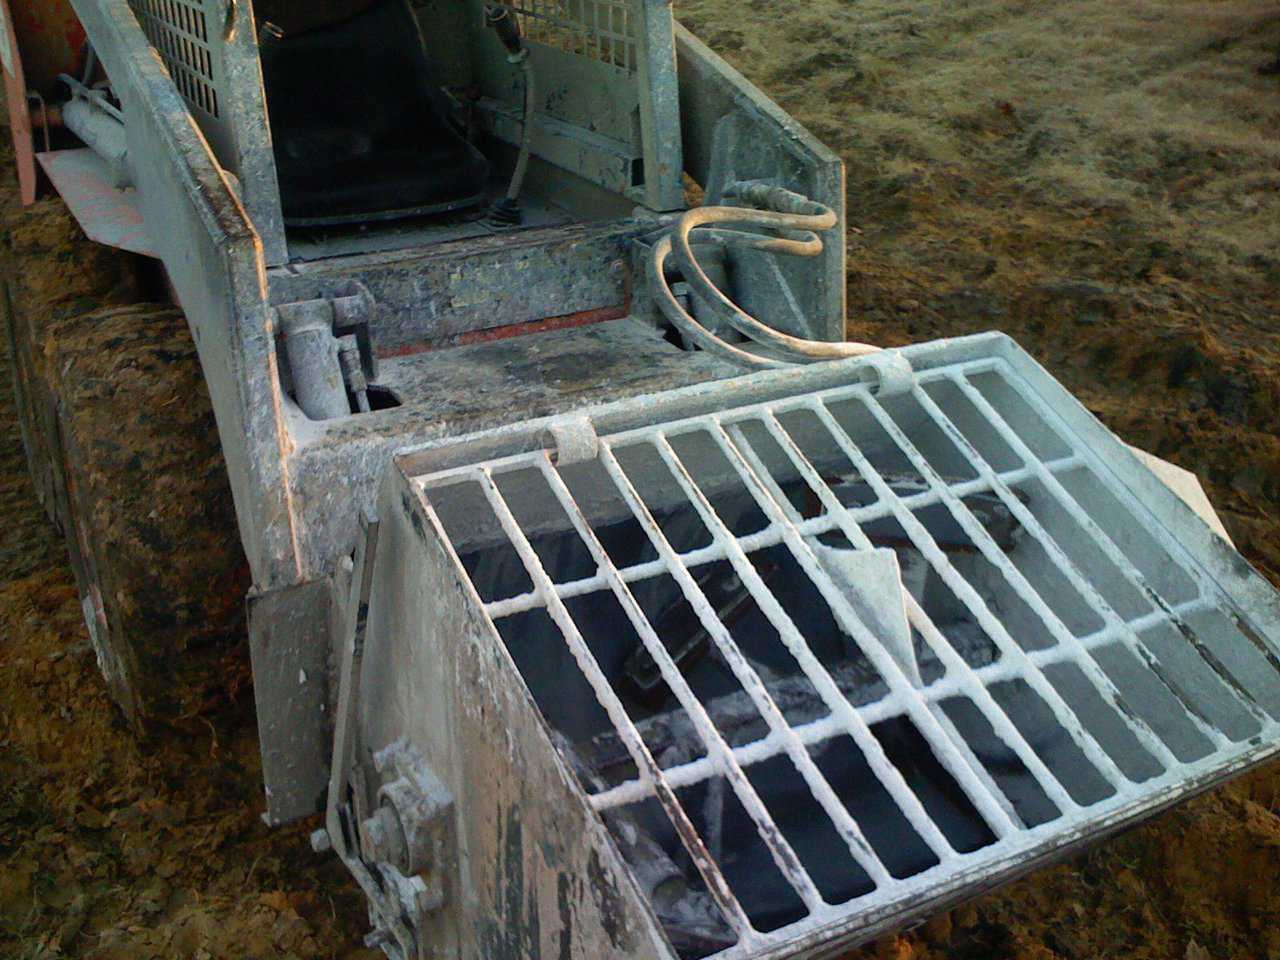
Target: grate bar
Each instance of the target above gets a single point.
(1204, 583)
(769, 536)
(1149, 739)
(449, 476)
(970, 683)
(717, 885)
(886, 708)
(580, 30)
(179, 33)
(844, 824)
(901, 688)
(779, 848)
(811, 475)
(1071, 570)
(814, 671)
(794, 516)
(964, 591)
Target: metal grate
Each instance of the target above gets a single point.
(603, 30)
(179, 31)
(701, 613)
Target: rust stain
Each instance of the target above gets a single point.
(15, 94)
(46, 39)
(51, 39)
(580, 319)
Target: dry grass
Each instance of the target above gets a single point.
(1154, 108)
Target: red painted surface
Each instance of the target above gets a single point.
(15, 95)
(51, 38)
(580, 319)
(44, 38)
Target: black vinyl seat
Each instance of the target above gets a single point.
(358, 126)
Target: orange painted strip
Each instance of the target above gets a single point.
(581, 319)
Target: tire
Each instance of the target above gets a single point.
(52, 272)
(124, 452)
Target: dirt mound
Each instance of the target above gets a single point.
(112, 847)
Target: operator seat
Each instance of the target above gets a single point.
(359, 127)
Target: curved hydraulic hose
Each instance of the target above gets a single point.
(685, 322)
(506, 211)
(800, 218)
(526, 132)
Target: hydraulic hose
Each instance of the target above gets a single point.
(507, 210)
(799, 219)
(526, 131)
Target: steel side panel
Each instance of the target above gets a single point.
(220, 51)
(658, 77)
(289, 649)
(214, 260)
(107, 214)
(776, 146)
(254, 159)
(538, 874)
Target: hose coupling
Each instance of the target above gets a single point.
(769, 196)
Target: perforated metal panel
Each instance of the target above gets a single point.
(607, 91)
(701, 611)
(179, 30)
(604, 30)
(209, 49)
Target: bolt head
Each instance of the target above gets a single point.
(382, 838)
(376, 938)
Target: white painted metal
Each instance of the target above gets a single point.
(915, 427)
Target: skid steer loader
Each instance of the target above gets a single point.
(604, 599)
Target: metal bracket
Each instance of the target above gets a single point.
(341, 835)
(326, 351)
(354, 310)
(410, 828)
(888, 373)
(573, 440)
(410, 831)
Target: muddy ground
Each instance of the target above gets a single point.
(1099, 178)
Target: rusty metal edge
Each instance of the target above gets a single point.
(15, 92)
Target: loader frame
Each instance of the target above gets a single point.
(207, 199)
